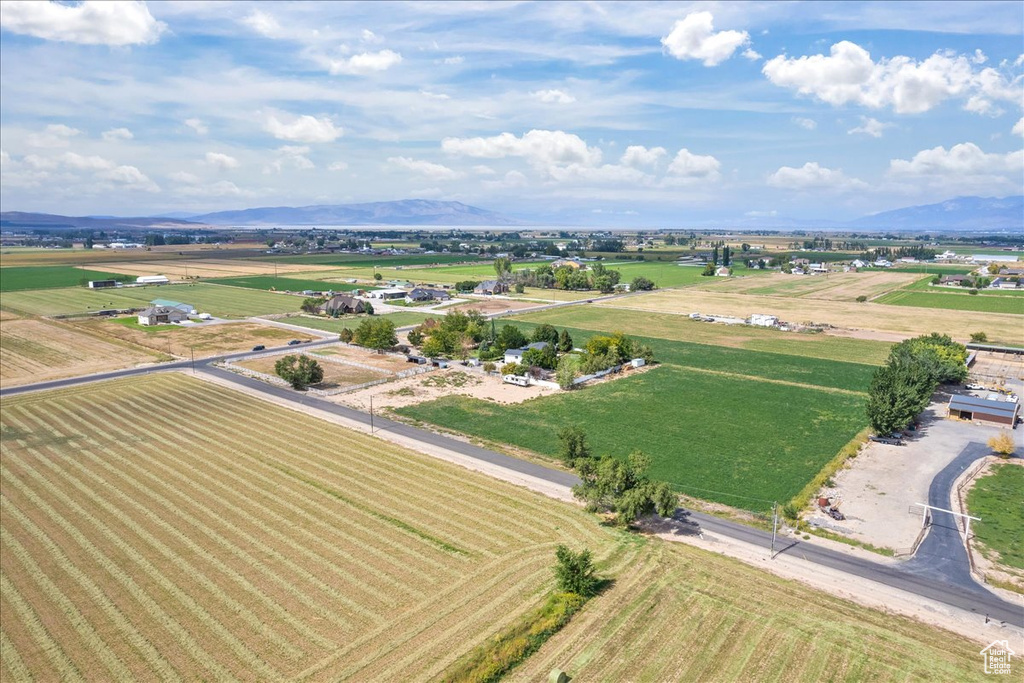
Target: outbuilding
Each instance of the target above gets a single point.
(976, 409)
(152, 280)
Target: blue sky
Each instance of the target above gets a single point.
(607, 113)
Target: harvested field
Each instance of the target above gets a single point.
(491, 305)
(48, 277)
(867, 316)
(247, 541)
(184, 268)
(37, 350)
(287, 284)
(672, 616)
(357, 354)
(834, 286)
(19, 256)
(336, 375)
(400, 319)
(208, 339)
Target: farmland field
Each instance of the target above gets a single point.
(182, 341)
(400, 319)
(1001, 520)
(285, 284)
(834, 286)
(369, 259)
(227, 302)
(731, 439)
(33, 350)
(247, 541)
(672, 616)
(185, 268)
(846, 314)
(336, 375)
(1008, 303)
(48, 277)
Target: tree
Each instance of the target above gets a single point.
(299, 371)
(714, 256)
(979, 337)
(466, 285)
(312, 303)
(378, 277)
(520, 288)
(575, 572)
(709, 269)
(545, 333)
(376, 333)
(502, 266)
(641, 284)
(573, 445)
(1002, 443)
(623, 487)
(567, 371)
(345, 335)
(367, 308)
(541, 358)
(509, 337)
(565, 342)
(514, 369)
(415, 336)
(726, 256)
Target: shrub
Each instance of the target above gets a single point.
(1002, 443)
(862, 298)
(979, 337)
(575, 572)
(345, 335)
(489, 366)
(299, 371)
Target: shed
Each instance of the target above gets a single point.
(152, 280)
(102, 284)
(966, 407)
(389, 293)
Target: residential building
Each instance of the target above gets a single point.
(161, 315)
(341, 304)
(491, 287)
(421, 294)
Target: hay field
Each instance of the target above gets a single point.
(679, 614)
(852, 315)
(21, 256)
(34, 350)
(336, 375)
(833, 287)
(146, 538)
(183, 268)
(204, 340)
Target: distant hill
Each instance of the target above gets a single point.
(403, 212)
(960, 214)
(47, 221)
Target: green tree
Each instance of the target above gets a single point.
(623, 487)
(709, 269)
(345, 335)
(575, 572)
(378, 277)
(520, 288)
(641, 284)
(541, 358)
(376, 333)
(299, 371)
(311, 304)
(573, 445)
(568, 371)
(509, 337)
(415, 336)
(979, 337)
(502, 267)
(545, 333)
(565, 342)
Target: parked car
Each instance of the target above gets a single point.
(889, 440)
(259, 347)
(293, 342)
(976, 386)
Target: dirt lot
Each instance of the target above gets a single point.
(208, 339)
(995, 369)
(850, 315)
(492, 305)
(36, 350)
(336, 375)
(181, 269)
(447, 382)
(357, 354)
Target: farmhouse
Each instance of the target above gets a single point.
(386, 294)
(187, 309)
(571, 263)
(977, 409)
(102, 284)
(341, 304)
(490, 287)
(882, 263)
(151, 280)
(420, 294)
(1004, 283)
(516, 355)
(954, 279)
(723, 271)
(763, 320)
(857, 263)
(161, 315)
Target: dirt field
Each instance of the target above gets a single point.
(490, 305)
(833, 287)
(336, 375)
(208, 339)
(866, 316)
(36, 351)
(356, 354)
(245, 541)
(182, 269)
(14, 256)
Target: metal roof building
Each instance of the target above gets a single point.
(972, 408)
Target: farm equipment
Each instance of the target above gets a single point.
(830, 506)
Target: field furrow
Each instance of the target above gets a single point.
(47, 647)
(14, 668)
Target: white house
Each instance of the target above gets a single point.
(817, 267)
(857, 263)
(389, 293)
(161, 315)
(723, 271)
(152, 280)
(882, 263)
(516, 355)
(762, 320)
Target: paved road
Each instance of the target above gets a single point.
(909, 577)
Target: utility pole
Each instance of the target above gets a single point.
(775, 526)
(192, 351)
(371, 413)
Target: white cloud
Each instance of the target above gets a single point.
(638, 155)
(484, 170)
(115, 134)
(365, 63)
(510, 179)
(304, 128)
(81, 163)
(457, 59)
(965, 159)
(131, 178)
(543, 147)
(370, 37)
(198, 126)
(54, 135)
(338, 166)
(91, 22)
(290, 156)
(812, 176)
(184, 177)
(979, 57)
(553, 97)
(426, 169)
(848, 75)
(689, 165)
(263, 23)
(694, 38)
(611, 174)
(221, 162)
(1018, 128)
(440, 96)
(870, 126)
(222, 188)
(752, 54)
(806, 124)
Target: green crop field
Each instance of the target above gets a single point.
(735, 440)
(282, 284)
(933, 268)
(18, 278)
(248, 541)
(996, 498)
(228, 302)
(953, 300)
(369, 259)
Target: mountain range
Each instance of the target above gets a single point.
(962, 214)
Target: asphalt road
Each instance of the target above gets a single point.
(930, 576)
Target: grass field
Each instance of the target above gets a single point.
(996, 498)
(676, 327)
(672, 616)
(182, 341)
(336, 375)
(247, 541)
(1010, 303)
(33, 350)
(731, 439)
(285, 284)
(400, 319)
(226, 302)
(48, 277)
(369, 259)
(184, 268)
(834, 286)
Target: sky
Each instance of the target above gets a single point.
(579, 112)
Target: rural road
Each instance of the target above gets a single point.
(929, 576)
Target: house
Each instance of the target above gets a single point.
(404, 284)
(622, 287)
(341, 304)
(420, 294)
(1003, 283)
(723, 271)
(857, 263)
(817, 267)
(571, 263)
(151, 280)
(882, 263)
(946, 256)
(954, 279)
(801, 262)
(762, 320)
(187, 309)
(161, 315)
(976, 409)
(1011, 272)
(388, 293)
(908, 259)
(516, 355)
(491, 287)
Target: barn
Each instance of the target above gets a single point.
(975, 409)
